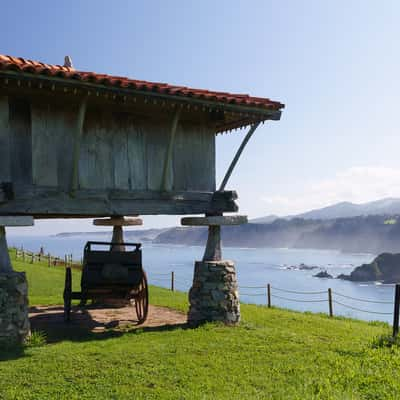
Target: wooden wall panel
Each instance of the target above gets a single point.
(21, 140)
(157, 138)
(44, 146)
(194, 158)
(5, 145)
(96, 169)
(137, 156)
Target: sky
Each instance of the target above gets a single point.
(334, 64)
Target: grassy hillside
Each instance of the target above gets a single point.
(274, 354)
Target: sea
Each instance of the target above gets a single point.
(291, 287)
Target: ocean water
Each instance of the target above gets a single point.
(255, 267)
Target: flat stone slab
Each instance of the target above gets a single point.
(16, 221)
(215, 220)
(118, 221)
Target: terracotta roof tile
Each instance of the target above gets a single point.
(9, 63)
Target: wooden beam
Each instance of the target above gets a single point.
(237, 156)
(170, 150)
(77, 145)
(42, 203)
(12, 220)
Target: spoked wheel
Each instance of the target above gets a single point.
(67, 294)
(141, 297)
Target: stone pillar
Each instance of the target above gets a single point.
(214, 295)
(117, 223)
(14, 321)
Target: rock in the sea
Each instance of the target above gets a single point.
(385, 268)
(307, 267)
(323, 274)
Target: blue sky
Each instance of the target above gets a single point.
(335, 65)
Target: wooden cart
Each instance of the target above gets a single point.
(115, 277)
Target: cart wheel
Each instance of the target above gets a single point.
(67, 294)
(142, 300)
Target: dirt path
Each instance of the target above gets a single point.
(91, 322)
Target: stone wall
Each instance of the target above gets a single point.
(14, 321)
(214, 295)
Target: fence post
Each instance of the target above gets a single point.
(23, 255)
(396, 310)
(330, 302)
(269, 295)
(32, 258)
(65, 260)
(172, 281)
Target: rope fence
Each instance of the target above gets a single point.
(169, 277)
(329, 299)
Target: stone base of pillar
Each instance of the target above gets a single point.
(14, 321)
(214, 295)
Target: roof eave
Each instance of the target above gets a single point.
(264, 113)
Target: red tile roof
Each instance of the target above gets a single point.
(8, 63)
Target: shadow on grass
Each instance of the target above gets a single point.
(12, 353)
(83, 327)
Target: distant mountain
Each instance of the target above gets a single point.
(388, 206)
(264, 220)
(370, 234)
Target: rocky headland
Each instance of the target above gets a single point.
(384, 268)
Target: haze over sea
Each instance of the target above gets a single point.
(255, 267)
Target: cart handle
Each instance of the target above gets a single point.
(89, 244)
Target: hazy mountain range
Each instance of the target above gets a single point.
(346, 209)
(372, 227)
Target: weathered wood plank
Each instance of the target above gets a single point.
(21, 141)
(168, 177)
(157, 136)
(96, 169)
(5, 145)
(120, 152)
(16, 221)
(137, 156)
(194, 158)
(44, 146)
(77, 144)
(93, 203)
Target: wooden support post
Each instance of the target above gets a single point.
(213, 250)
(168, 156)
(77, 146)
(269, 295)
(172, 281)
(237, 156)
(49, 260)
(330, 302)
(396, 310)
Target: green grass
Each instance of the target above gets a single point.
(273, 354)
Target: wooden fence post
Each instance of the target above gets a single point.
(23, 255)
(396, 310)
(32, 258)
(330, 302)
(269, 295)
(172, 281)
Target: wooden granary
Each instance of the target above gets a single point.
(77, 144)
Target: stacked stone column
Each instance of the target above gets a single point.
(214, 294)
(14, 320)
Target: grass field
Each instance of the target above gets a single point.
(273, 354)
